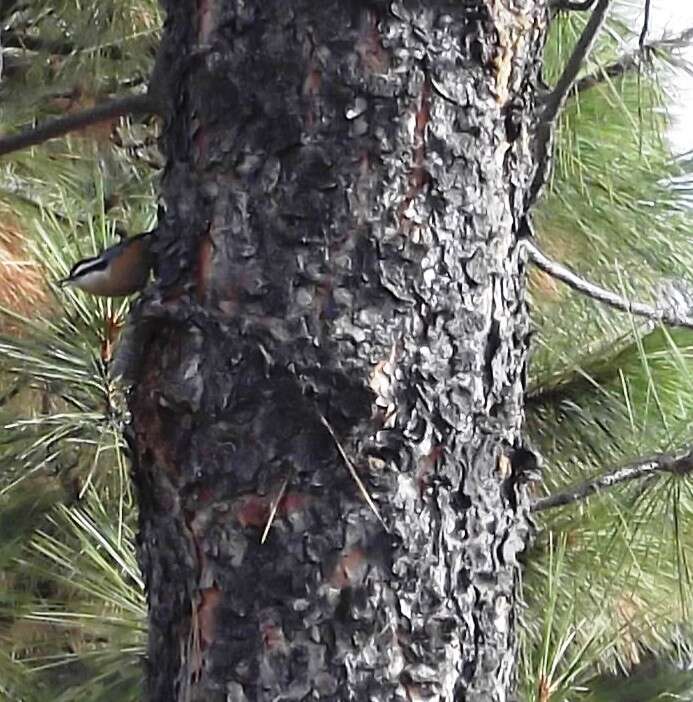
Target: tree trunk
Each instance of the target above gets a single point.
(339, 293)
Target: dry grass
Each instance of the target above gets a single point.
(22, 284)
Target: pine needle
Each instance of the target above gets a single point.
(352, 470)
(275, 506)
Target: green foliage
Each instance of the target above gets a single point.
(608, 581)
(564, 641)
(72, 609)
(611, 211)
(77, 605)
(70, 53)
(653, 682)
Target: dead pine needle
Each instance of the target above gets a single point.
(191, 654)
(352, 470)
(273, 509)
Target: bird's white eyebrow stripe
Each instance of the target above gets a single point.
(94, 264)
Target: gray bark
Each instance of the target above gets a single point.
(339, 281)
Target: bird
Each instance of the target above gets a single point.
(120, 270)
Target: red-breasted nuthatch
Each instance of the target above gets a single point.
(119, 270)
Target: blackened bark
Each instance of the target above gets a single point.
(338, 277)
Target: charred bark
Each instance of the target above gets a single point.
(339, 280)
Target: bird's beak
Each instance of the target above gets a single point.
(62, 282)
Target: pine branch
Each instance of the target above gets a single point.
(583, 371)
(129, 105)
(557, 97)
(634, 59)
(640, 309)
(626, 63)
(678, 464)
(20, 40)
(555, 100)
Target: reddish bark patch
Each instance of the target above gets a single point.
(254, 510)
(426, 467)
(311, 88)
(251, 510)
(349, 568)
(272, 636)
(206, 10)
(210, 598)
(173, 294)
(200, 144)
(204, 494)
(154, 427)
(194, 533)
(293, 502)
(423, 117)
(369, 47)
(204, 266)
(419, 175)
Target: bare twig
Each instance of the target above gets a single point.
(634, 59)
(352, 471)
(640, 309)
(572, 6)
(273, 509)
(10, 394)
(130, 105)
(555, 100)
(645, 25)
(557, 97)
(644, 468)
